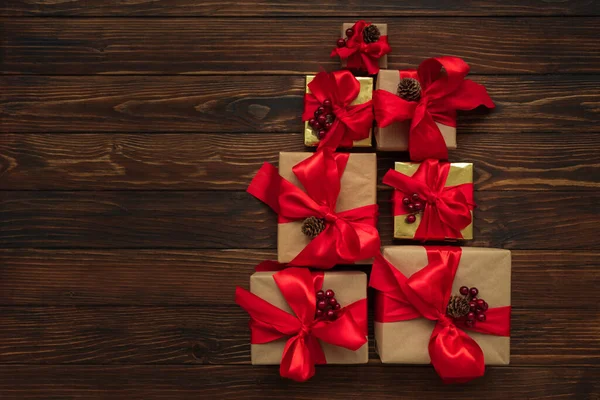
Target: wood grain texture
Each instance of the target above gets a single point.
(33, 277)
(194, 382)
(220, 335)
(565, 104)
(67, 46)
(513, 220)
(249, 8)
(533, 161)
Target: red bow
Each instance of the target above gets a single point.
(455, 355)
(349, 236)
(352, 122)
(302, 350)
(441, 95)
(361, 55)
(447, 209)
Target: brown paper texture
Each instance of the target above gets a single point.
(394, 137)
(365, 94)
(358, 189)
(459, 174)
(383, 61)
(348, 286)
(406, 342)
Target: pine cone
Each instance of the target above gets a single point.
(458, 306)
(371, 34)
(312, 226)
(409, 89)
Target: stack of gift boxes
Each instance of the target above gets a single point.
(443, 305)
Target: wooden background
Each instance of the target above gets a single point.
(130, 130)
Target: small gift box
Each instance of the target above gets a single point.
(433, 200)
(415, 110)
(301, 318)
(363, 47)
(446, 305)
(338, 110)
(327, 207)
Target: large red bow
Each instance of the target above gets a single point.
(302, 350)
(363, 56)
(349, 236)
(441, 95)
(455, 355)
(447, 209)
(351, 122)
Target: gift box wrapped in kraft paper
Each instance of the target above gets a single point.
(363, 47)
(448, 306)
(301, 318)
(338, 110)
(415, 110)
(327, 207)
(432, 200)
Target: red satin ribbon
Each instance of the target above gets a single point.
(455, 355)
(363, 56)
(447, 209)
(441, 95)
(352, 122)
(349, 236)
(302, 350)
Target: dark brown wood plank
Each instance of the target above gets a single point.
(533, 161)
(200, 277)
(209, 219)
(566, 104)
(169, 335)
(381, 8)
(155, 382)
(65, 46)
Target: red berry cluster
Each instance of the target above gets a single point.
(477, 307)
(327, 305)
(323, 119)
(413, 205)
(341, 42)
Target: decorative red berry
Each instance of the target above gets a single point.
(321, 110)
(330, 314)
(473, 291)
(330, 117)
(341, 42)
(470, 316)
(480, 303)
(406, 201)
(464, 290)
(327, 103)
(481, 317)
(328, 126)
(418, 206)
(470, 324)
(332, 301)
(410, 207)
(472, 306)
(485, 306)
(329, 293)
(337, 307)
(410, 219)
(321, 304)
(320, 294)
(319, 313)
(322, 133)
(349, 32)
(415, 197)
(322, 119)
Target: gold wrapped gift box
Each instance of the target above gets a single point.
(349, 287)
(459, 174)
(406, 342)
(366, 93)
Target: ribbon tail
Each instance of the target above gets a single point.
(426, 140)
(299, 357)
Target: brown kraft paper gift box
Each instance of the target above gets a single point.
(358, 188)
(349, 287)
(383, 61)
(394, 137)
(406, 342)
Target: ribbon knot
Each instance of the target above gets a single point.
(442, 94)
(444, 320)
(330, 217)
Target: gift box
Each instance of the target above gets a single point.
(363, 47)
(428, 304)
(358, 188)
(301, 318)
(394, 137)
(416, 109)
(311, 135)
(433, 200)
(327, 207)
